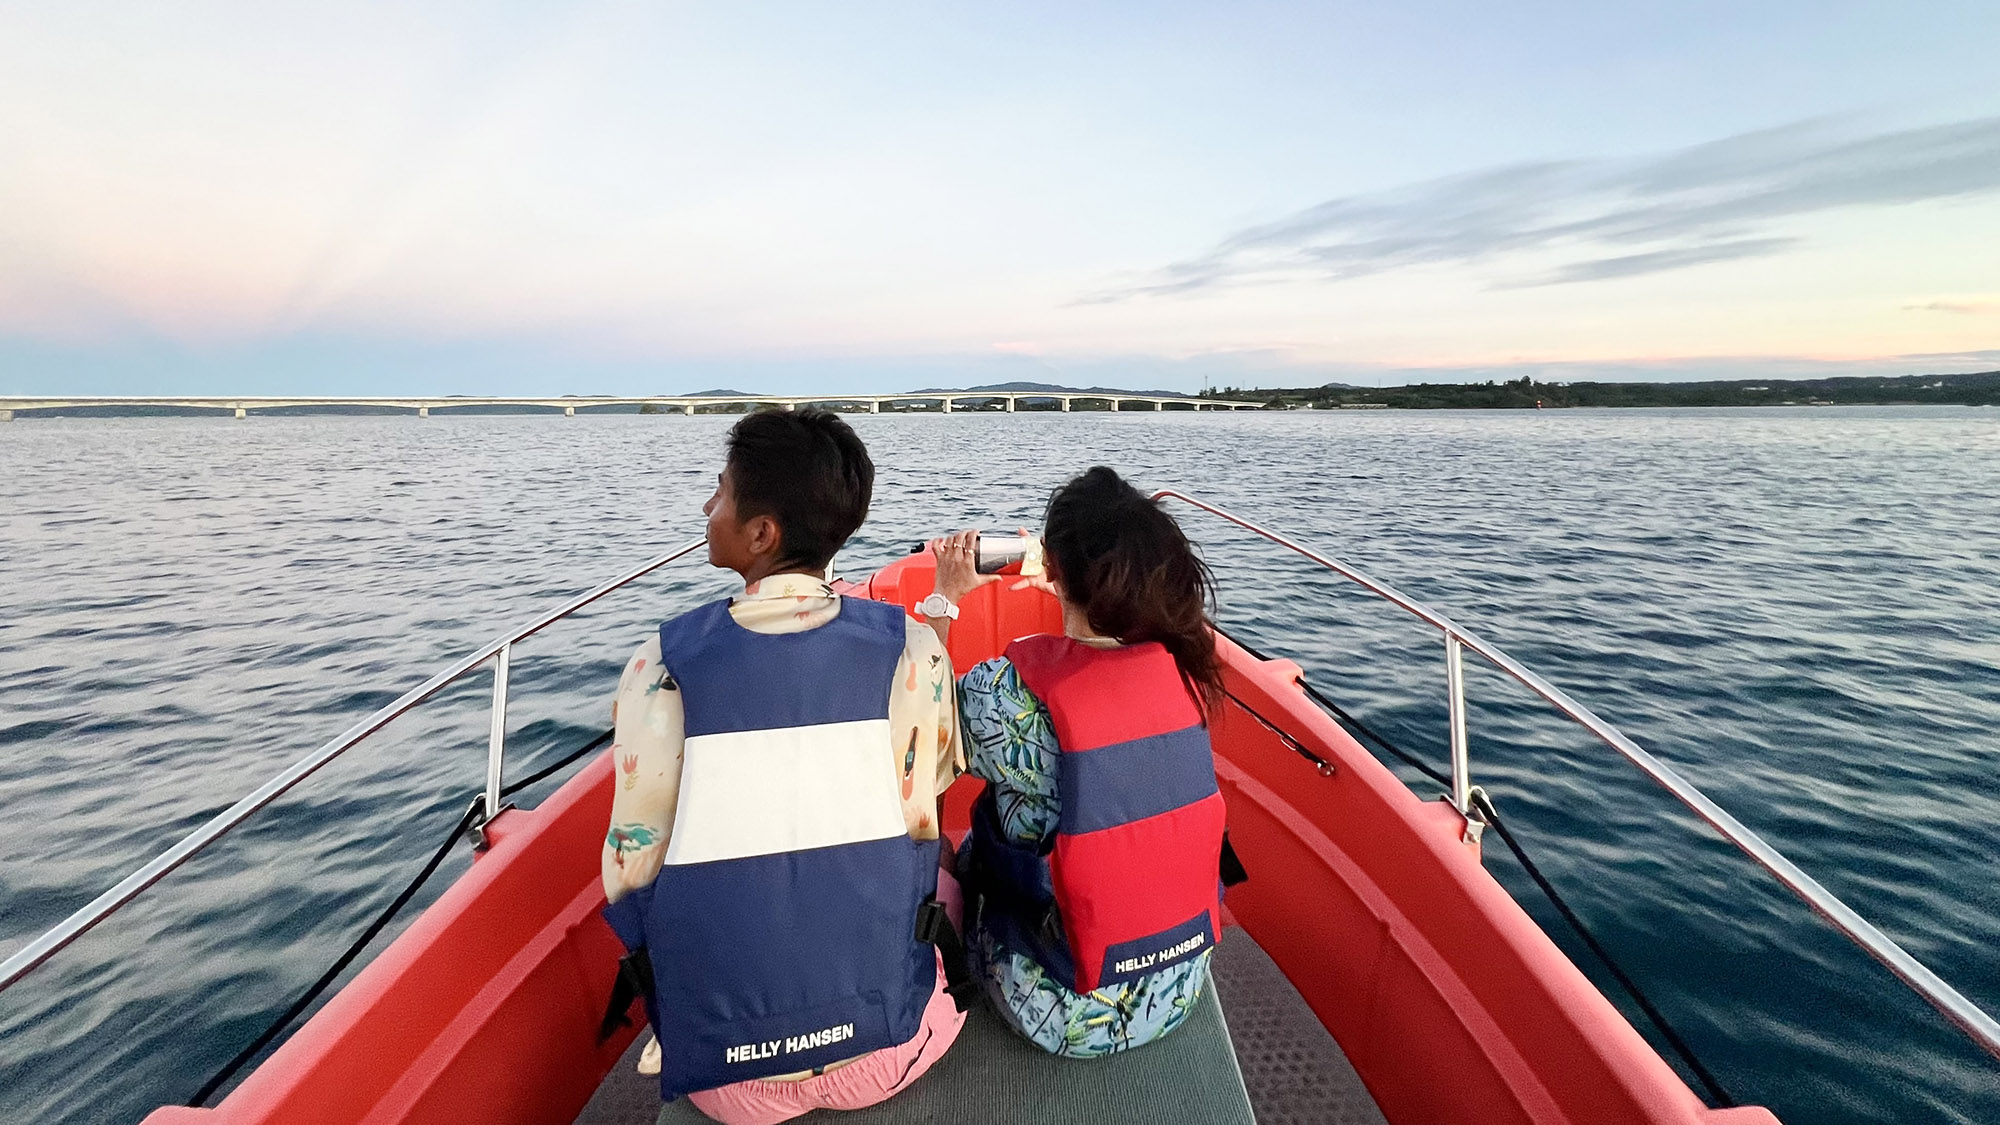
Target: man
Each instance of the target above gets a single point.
(774, 827)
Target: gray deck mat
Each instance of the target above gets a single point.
(1296, 1073)
(1292, 1068)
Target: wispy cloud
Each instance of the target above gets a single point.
(1655, 261)
(1964, 306)
(1712, 202)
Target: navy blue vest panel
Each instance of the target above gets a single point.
(780, 963)
(732, 679)
(1018, 895)
(1134, 780)
(768, 963)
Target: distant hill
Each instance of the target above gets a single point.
(724, 393)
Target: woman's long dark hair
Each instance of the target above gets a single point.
(1128, 566)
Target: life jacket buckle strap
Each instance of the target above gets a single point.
(634, 980)
(932, 922)
(1231, 865)
(934, 928)
(1051, 927)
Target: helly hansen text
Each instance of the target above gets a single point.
(1134, 964)
(771, 1048)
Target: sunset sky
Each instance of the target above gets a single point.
(588, 198)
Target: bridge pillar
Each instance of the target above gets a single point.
(423, 411)
(688, 410)
(569, 411)
(790, 406)
(1065, 406)
(1158, 405)
(241, 413)
(947, 405)
(1010, 404)
(6, 416)
(1117, 404)
(874, 406)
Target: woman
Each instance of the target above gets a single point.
(1093, 856)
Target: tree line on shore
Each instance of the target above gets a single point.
(1525, 393)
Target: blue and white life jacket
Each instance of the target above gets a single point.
(782, 932)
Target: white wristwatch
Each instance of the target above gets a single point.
(937, 605)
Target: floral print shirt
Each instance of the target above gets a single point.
(1012, 744)
(647, 742)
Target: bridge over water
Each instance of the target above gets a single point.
(242, 405)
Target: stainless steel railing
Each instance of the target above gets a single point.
(1968, 1016)
(103, 906)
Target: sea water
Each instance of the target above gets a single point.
(1799, 609)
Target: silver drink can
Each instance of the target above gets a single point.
(999, 552)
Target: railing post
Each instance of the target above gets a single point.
(496, 739)
(1461, 766)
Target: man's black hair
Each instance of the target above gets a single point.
(808, 470)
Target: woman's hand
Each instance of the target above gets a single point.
(957, 559)
(1037, 582)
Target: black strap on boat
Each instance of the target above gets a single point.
(472, 815)
(1363, 732)
(934, 928)
(634, 980)
(1325, 767)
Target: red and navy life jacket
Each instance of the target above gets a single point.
(1130, 885)
(782, 932)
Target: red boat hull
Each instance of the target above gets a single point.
(1452, 1005)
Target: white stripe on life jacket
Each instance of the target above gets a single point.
(760, 792)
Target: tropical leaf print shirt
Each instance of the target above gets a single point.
(1012, 744)
(647, 717)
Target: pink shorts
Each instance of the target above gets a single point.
(866, 1081)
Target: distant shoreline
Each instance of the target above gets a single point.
(1976, 389)
(87, 413)
(1973, 389)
